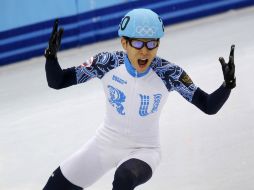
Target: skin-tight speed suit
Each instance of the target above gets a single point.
(134, 101)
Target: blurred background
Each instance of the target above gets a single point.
(40, 126)
(25, 25)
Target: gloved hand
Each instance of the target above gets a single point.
(229, 69)
(54, 42)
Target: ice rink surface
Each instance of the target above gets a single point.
(40, 127)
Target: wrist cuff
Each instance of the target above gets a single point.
(230, 84)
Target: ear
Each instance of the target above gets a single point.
(159, 43)
(124, 43)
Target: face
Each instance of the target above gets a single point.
(142, 58)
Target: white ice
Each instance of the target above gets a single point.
(39, 126)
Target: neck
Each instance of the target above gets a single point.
(131, 70)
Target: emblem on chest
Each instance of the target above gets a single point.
(147, 104)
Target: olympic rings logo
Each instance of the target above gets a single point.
(145, 30)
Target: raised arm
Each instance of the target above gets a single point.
(211, 103)
(57, 77)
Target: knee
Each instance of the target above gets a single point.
(130, 174)
(124, 179)
(57, 181)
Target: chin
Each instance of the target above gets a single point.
(141, 70)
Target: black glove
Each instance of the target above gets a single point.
(54, 42)
(229, 69)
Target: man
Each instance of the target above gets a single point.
(136, 83)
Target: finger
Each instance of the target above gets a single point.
(232, 50)
(61, 30)
(231, 63)
(222, 61)
(54, 30)
(55, 26)
(59, 35)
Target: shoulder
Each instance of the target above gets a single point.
(106, 61)
(109, 58)
(165, 68)
(99, 65)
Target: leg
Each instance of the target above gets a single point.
(57, 181)
(84, 167)
(130, 174)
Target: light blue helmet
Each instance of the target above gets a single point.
(141, 23)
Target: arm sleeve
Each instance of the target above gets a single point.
(211, 103)
(183, 84)
(98, 66)
(208, 103)
(58, 78)
(175, 78)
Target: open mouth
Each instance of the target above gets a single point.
(142, 62)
